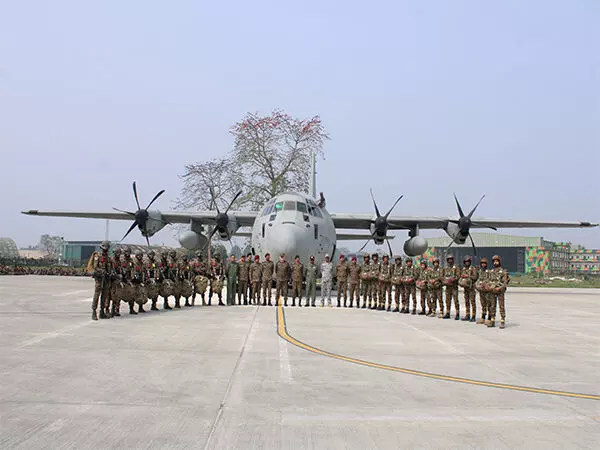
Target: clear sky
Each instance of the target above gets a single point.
(421, 98)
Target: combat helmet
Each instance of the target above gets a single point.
(467, 258)
(449, 256)
(139, 254)
(151, 253)
(173, 253)
(483, 260)
(105, 245)
(436, 260)
(127, 251)
(409, 259)
(496, 258)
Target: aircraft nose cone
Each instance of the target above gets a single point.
(286, 240)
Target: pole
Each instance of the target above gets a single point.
(313, 174)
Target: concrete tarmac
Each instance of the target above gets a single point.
(222, 377)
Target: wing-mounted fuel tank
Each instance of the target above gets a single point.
(415, 246)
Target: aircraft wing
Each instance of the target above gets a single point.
(244, 218)
(364, 221)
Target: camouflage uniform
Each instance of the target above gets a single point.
(217, 274)
(174, 277)
(354, 271)
(233, 269)
(385, 284)
(200, 279)
(152, 279)
(397, 271)
(311, 273)
(434, 285)
(282, 276)
(341, 273)
(297, 278)
(185, 277)
(409, 287)
(374, 268)
(166, 285)
(243, 281)
(128, 286)
(499, 279)
(138, 279)
(482, 285)
(468, 278)
(268, 268)
(116, 283)
(365, 275)
(101, 267)
(450, 276)
(255, 280)
(421, 284)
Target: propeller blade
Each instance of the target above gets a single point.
(363, 247)
(148, 241)
(375, 204)
(155, 197)
(460, 211)
(393, 206)
(133, 225)
(475, 207)
(135, 194)
(473, 244)
(448, 248)
(481, 225)
(208, 240)
(390, 248)
(232, 201)
(126, 212)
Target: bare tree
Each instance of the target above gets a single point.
(51, 245)
(273, 154)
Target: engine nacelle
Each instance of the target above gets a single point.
(192, 240)
(154, 224)
(415, 246)
(226, 233)
(455, 233)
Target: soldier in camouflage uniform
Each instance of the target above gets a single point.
(482, 286)
(200, 278)
(365, 285)
(354, 277)
(409, 278)
(243, 280)
(311, 272)
(297, 278)
(375, 268)
(450, 276)
(217, 275)
(249, 288)
(282, 277)
(187, 286)
(101, 272)
(268, 269)
(128, 287)
(421, 284)
(138, 279)
(385, 285)
(115, 284)
(233, 269)
(255, 280)
(468, 278)
(152, 279)
(341, 273)
(164, 278)
(434, 285)
(174, 277)
(499, 279)
(397, 271)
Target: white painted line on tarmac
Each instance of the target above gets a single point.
(67, 294)
(54, 334)
(285, 369)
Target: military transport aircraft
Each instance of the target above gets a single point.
(299, 224)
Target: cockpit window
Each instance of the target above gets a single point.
(301, 207)
(289, 206)
(266, 210)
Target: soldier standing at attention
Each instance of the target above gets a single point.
(434, 284)
(152, 280)
(282, 277)
(232, 274)
(354, 277)
(101, 267)
(255, 279)
(311, 274)
(421, 284)
(365, 274)
(116, 281)
(385, 284)
(397, 271)
(200, 278)
(126, 268)
(450, 276)
(164, 270)
(187, 287)
(217, 274)
(468, 278)
(174, 277)
(341, 273)
(499, 282)
(249, 287)
(243, 280)
(409, 277)
(268, 269)
(375, 269)
(482, 286)
(326, 280)
(297, 278)
(138, 279)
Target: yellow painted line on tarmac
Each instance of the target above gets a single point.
(283, 333)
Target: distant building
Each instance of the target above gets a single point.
(31, 253)
(585, 261)
(520, 254)
(77, 253)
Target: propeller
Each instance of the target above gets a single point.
(222, 219)
(141, 215)
(381, 224)
(465, 223)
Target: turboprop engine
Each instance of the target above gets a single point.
(415, 246)
(192, 240)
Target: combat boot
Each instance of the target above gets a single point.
(446, 316)
(177, 304)
(422, 313)
(102, 314)
(457, 317)
(131, 310)
(396, 309)
(94, 315)
(502, 324)
(467, 318)
(141, 309)
(338, 304)
(473, 319)
(154, 307)
(166, 305)
(491, 324)
(187, 303)
(414, 311)
(193, 301)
